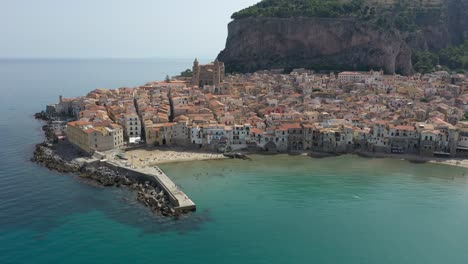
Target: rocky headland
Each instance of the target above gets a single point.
(260, 39)
(61, 157)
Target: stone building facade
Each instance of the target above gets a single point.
(92, 137)
(208, 74)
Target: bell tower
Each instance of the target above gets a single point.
(196, 73)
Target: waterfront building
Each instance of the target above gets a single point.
(462, 144)
(93, 136)
(429, 140)
(379, 137)
(196, 135)
(240, 135)
(215, 134)
(288, 112)
(169, 134)
(403, 139)
(151, 134)
(295, 136)
(63, 107)
(280, 139)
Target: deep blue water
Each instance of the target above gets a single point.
(274, 209)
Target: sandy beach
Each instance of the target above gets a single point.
(459, 162)
(453, 162)
(140, 158)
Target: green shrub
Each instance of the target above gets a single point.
(304, 8)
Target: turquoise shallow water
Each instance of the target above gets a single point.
(274, 209)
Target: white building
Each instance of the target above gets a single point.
(196, 135)
(379, 137)
(216, 133)
(241, 134)
(359, 77)
(132, 125)
(462, 143)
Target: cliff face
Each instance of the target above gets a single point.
(265, 43)
(458, 20)
(336, 43)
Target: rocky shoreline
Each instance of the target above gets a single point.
(147, 193)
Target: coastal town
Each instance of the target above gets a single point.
(246, 131)
(204, 109)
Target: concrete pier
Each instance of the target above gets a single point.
(180, 199)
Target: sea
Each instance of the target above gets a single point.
(272, 209)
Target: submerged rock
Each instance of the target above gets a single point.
(236, 156)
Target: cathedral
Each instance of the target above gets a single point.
(208, 74)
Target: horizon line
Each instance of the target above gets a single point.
(104, 58)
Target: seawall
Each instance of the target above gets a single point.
(178, 199)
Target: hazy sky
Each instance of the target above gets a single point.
(115, 28)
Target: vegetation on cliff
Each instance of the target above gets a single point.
(424, 61)
(431, 33)
(455, 57)
(400, 16)
(452, 57)
(302, 8)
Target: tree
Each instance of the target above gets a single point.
(186, 73)
(465, 117)
(424, 61)
(168, 79)
(455, 57)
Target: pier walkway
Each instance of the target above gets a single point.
(180, 199)
(177, 197)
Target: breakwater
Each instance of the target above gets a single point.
(155, 177)
(153, 187)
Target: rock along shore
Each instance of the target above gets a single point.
(148, 193)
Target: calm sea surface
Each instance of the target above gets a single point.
(274, 209)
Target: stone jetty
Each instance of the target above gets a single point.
(177, 196)
(152, 186)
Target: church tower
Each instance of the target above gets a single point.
(196, 73)
(219, 71)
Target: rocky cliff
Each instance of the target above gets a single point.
(339, 43)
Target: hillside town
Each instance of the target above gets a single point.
(270, 111)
